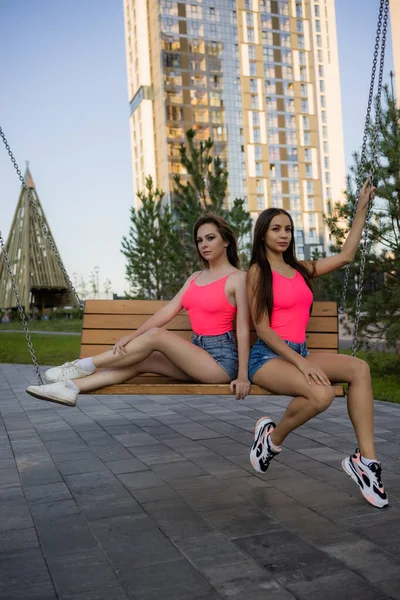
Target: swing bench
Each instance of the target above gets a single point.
(107, 321)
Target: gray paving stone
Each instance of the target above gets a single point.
(154, 497)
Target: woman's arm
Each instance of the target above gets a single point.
(159, 319)
(349, 249)
(242, 383)
(274, 341)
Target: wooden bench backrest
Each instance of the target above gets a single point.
(107, 321)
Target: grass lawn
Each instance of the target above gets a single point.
(49, 349)
(385, 373)
(74, 325)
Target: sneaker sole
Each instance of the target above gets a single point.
(370, 499)
(253, 457)
(55, 400)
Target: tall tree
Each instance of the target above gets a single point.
(380, 316)
(205, 189)
(154, 266)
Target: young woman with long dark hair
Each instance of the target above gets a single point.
(280, 297)
(213, 297)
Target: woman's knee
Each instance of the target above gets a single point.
(358, 369)
(322, 397)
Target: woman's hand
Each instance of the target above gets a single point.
(312, 373)
(120, 346)
(242, 387)
(367, 193)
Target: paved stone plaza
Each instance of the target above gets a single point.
(154, 498)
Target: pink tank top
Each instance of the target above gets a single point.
(291, 308)
(209, 310)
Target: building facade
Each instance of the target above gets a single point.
(261, 78)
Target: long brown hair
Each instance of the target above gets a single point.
(263, 293)
(226, 233)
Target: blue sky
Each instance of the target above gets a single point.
(64, 107)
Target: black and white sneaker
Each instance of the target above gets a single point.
(261, 452)
(368, 478)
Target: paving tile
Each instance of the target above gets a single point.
(127, 465)
(18, 539)
(177, 519)
(61, 536)
(245, 580)
(210, 550)
(367, 559)
(82, 572)
(24, 575)
(287, 557)
(52, 492)
(176, 580)
(344, 584)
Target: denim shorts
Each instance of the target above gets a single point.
(261, 354)
(222, 348)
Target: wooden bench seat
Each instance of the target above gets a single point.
(107, 321)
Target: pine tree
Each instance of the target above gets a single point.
(380, 314)
(204, 190)
(155, 266)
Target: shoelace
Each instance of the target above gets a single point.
(377, 470)
(68, 367)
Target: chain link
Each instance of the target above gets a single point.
(366, 242)
(20, 309)
(382, 18)
(40, 219)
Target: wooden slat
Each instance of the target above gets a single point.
(94, 349)
(132, 322)
(111, 336)
(124, 307)
(183, 388)
(149, 307)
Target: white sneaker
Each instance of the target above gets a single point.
(54, 392)
(261, 452)
(68, 370)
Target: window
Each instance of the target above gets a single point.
(308, 170)
(320, 70)
(253, 69)
(307, 138)
(321, 86)
(252, 52)
(249, 4)
(250, 35)
(299, 26)
(295, 203)
(299, 9)
(254, 102)
(257, 136)
(324, 131)
(267, 37)
(253, 85)
(307, 154)
(319, 41)
(316, 10)
(304, 106)
(323, 101)
(259, 169)
(302, 58)
(300, 41)
(249, 19)
(303, 73)
(256, 119)
(323, 116)
(258, 152)
(306, 123)
(328, 192)
(303, 90)
(326, 148)
(260, 202)
(310, 203)
(318, 26)
(310, 188)
(327, 178)
(268, 54)
(320, 56)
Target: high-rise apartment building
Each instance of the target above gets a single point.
(395, 23)
(261, 78)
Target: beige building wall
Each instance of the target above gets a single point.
(261, 78)
(395, 27)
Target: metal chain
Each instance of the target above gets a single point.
(360, 174)
(374, 156)
(20, 309)
(39, 217)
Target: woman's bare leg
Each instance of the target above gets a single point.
(156, 363)
(281, 377)
(360, 402)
